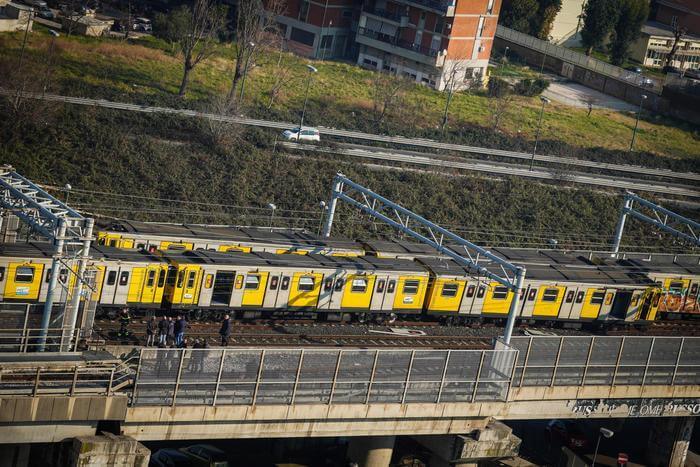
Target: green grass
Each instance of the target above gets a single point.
(148, 72)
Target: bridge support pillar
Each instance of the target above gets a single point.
(14, 455)
(371, 451)
(669, 439)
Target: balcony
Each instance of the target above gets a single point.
(398, 46)
(391, 16)
(442, 7)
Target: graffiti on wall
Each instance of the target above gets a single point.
(636, 407)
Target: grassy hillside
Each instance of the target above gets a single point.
(149, 72)
(166, 168)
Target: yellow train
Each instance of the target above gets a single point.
(560, 286)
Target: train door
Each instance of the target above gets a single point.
(467, 304)
(529, 300)
(358, 292)
(23, 281)
(304, 290)
(254, 289)
(273, 290)
(497, 300)
(191, 284)
(445, 295)
(568, 304)
(608, 302)
(378, 302)
(579, 295)
(410, 293)
(150, 284)
(549, 301)
(121, 291)
(635, 305)
(592, 301)
(223, 288)
(137, 283)
(96, 292)
(331, 293)
(109, 285)
(673, 298)
(691, 303)
(621, 304)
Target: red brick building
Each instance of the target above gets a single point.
(669, 12)
(436, 42)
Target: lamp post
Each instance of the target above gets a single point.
(245, 71)
(505, 55)
(49, 61)
(321, 205)
(607, 434)
(312, 70)
(68, 188)
(546, 47)
(21, 57)
(636, 123)
(539, 126)
(272, 213)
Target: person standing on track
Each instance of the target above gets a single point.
(151, 326)
(171, 331)
(180, 326)
(124, 320)
(163, 331)
(225, 331)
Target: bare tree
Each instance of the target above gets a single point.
(590, 102)
(387, 92)
(283, 73)
(195, 30)
(73, 12)
(678, 33)
(222, 133)
(455, 79)
(499, 108)
(256, 30)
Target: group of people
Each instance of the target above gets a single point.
(171, 332)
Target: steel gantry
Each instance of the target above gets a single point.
(429, 233)
(658, 216)
(63, 226)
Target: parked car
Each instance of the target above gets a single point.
(205, 455)
(306, 134)
(692, 73)
(143, 25)
(169, 458)
(647, 82)
(45, 12)
(568, 433)
(635, 69)
(671, 69)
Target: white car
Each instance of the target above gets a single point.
(306, 134)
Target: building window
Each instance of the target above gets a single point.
(303, 37)
(439, 25)
(436, 42)
(347, 13)
(304, 10)
(370, 62)
(489, 8)
(418, 39)
(326, 42)
(480, 29)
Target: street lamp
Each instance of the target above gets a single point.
(636, 124)
(321, 205)
(49, 60)
(68, 188)
(272, 213)
(544, 58)
(30, 13)
(539, 125)
(607, 434)
(505, 55)
(312, 70)
(245, 70)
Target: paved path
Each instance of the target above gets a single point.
(578, 95)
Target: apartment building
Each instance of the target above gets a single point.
(439, 43)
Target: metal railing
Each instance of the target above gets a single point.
(29, 340)
(571, 56)
(393, 16)
(606, 361)
(320, 376)
(37, 380)
(392, 40)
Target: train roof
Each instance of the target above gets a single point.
(27, 250)
(310, 261)
(297, 238)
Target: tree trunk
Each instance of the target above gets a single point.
(185, 80)
(589, 51)
(237, 74)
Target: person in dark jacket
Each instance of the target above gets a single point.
(151, 326)
(180, 326)
(124, 320)
(171, 331)
(163, 331)
(225, 331)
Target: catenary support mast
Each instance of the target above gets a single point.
(444, 241)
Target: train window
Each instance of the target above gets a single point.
(550, 295)
(480, 293)
(152, 248)
(180, 279)
(380, 286)
(609, 298)
(101, 241)
(48, 275)
(656, 300)
(693, 288)
(208, 281)
(579, 297)
(390, 286)
(111, 277)
(531, 296)
(676, 286)
(569, 296)
(285, 282)
(597, 298)
(339, 285)
(328, 284)
(140, 246)
(470, 291)
(63, 275)
(239, 281)
(113, 242)
(161, 278)
(274, 281)
(176, 246)
(450, 290)
(124, 278)
(306, 283)
(522, 294)
(500, 292)
(151, 278)
(24, 274)
(359, 285)
(252, 282)
(410, 287)
(2, 273)
(190, 279)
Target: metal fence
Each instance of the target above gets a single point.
(608, 361)
(571, 56)
(320, 376)
(31, 340)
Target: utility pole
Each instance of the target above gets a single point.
(21, 58)
(245, 72)
(539, 126)
(636, 123)
(49, 61)
(312, 70)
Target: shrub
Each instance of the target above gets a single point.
(531, 87)
(498, 87)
